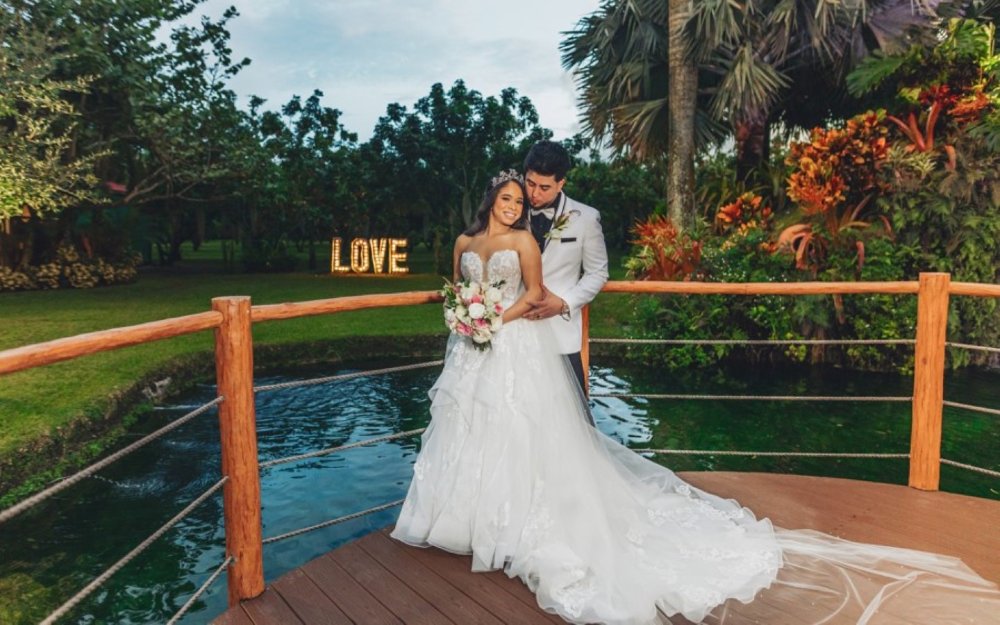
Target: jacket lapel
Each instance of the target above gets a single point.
(560, 210)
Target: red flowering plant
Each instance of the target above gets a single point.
(662, 252)
(835, 176)
(746, 212)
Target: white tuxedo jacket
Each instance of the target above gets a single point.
(574, 267)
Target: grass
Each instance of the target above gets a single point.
(38, 402)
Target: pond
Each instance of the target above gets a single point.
(54, 550)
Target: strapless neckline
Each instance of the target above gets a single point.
(485, 264)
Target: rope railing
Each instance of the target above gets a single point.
(201, 591)
(233, 318)
(345, 376)
(61, 485)
(117, 566)
(981, 348)
(831, 398)
(972, 407)
(333, 450)
(971, 467)
(342, 519)
(776, 454)
(754, 341)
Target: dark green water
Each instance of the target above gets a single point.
(54, 550)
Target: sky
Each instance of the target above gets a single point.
(365, 54)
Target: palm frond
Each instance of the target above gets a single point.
(872, 72)
(749, 87)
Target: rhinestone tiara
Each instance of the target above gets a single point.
(506, 176)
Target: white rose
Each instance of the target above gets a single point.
(481, 338)
(449, 317)
(468, 292)
(496, 323)
(493, 295)
(461, 312)
(477, 311)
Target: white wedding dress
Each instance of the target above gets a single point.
(511, 472)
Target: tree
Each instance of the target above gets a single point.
(36, 128)
(630, 61)
(682, 78)
(155, 118)
(445, 151)
(768, 60)
(636, 83)
(307, 141)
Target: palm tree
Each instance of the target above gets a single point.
(627, 72)
(770, 60)
(633, 59)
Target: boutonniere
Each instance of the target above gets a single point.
(560, 224)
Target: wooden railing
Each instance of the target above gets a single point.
(232, 319)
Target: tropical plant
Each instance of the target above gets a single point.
(945, 192)
(634, 64)
(746, 212)
(835, 176)
(662, 252)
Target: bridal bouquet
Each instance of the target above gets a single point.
(474, 310)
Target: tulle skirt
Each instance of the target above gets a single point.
(511, 472)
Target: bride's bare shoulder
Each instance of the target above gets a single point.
(462, 242)
(525, 242)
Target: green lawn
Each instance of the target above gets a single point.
(34, 403)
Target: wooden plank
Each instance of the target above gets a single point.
(928, 381)
(401, 600)
(974, 289)
(450, 600)
(350, 596)
(270, 609)
(233, 616)
(271, 312)
(40, 354)
(516, 588)
(759, 288)
(307, 600)
(883, 514)
(238, 434)
(506, 606)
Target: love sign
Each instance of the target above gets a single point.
(370, 255)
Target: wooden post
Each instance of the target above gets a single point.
(928, 381)
(238, 431)
(585, 348)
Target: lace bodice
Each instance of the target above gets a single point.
(502, 265)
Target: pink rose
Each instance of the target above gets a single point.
(477, 299)
(498, 309)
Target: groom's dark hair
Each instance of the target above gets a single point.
(548, 158)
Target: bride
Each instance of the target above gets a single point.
(511, 472)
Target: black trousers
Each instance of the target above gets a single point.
(577, 363)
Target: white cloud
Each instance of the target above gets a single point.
(365, 54)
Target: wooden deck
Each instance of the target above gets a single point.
(377, 580)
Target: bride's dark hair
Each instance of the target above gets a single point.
(482, 218)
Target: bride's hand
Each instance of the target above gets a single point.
(548, 305)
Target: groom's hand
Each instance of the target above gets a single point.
(548, 305)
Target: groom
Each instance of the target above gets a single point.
(574, 258)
